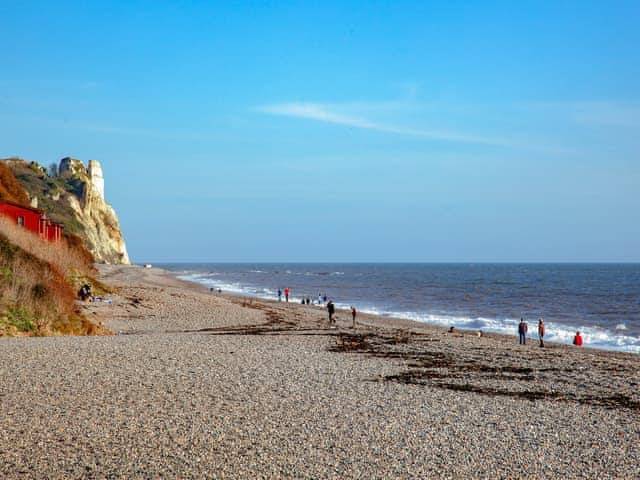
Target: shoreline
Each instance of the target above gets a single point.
(202, 385)
(381, 317)
(379, 322)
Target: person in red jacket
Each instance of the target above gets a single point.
(577, 340)
(286, 294)
(541, 332)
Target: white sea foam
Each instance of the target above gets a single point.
(233, 288)
(555, 332)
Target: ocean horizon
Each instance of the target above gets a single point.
(601, 300)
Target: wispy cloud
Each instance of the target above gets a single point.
(608, 113)
(315, 111)
(330, 114)
(588, 112)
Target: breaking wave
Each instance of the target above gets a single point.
(593, 336)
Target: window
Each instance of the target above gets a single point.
(21, 220)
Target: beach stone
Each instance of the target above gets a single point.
(211, 386)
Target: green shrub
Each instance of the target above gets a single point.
(20, 318)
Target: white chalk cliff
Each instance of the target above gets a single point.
(101, 227)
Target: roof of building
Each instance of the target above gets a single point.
(32, 209)
(42, 213)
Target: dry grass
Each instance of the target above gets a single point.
(38, 284)
(70, 258)
(10, 188)
(38, 279)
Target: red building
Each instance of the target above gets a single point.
(32, 219)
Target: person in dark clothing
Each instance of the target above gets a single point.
(522, 331)
(85, 292)
(279, 295)
(354, 313)
(331, 309)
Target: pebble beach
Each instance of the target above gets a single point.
(195, 384)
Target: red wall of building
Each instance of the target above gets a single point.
(31, 216)
(34, 220)
(54, 232)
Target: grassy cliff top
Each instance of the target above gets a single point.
(35, 179)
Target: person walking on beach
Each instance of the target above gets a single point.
(577, 340)
(286, 294)
(319, 299)
(354, 313)
(541, 332)
(279, 295)
(522, 331)
(331, 309)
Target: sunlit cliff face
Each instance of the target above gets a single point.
(102, 227)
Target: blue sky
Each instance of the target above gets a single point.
(342, 131)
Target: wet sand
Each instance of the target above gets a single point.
(197, 384)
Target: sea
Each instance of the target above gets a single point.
(602, 301)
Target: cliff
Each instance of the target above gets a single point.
(73, 195)
(39, 278)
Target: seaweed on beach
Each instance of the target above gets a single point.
(476, 374)
(427, 361)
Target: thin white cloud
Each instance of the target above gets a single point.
(608, 113)
(314, 111)
(589, 112)
(329, 114)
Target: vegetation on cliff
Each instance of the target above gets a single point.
(39, 279)
(34, 178)
(73, 195)
(10, 188)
